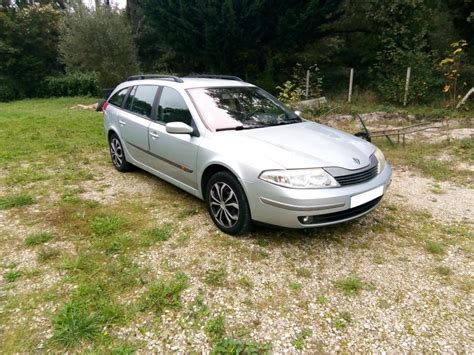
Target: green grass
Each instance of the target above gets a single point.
(74, 324)
(299, 341)
(48, 254)
(321, 300)
(444, 270)
(342, 320)
(238, 346)
(13, 201)
(295, 286)
(107, 225)
(216, 277)
(12, 275)
(435, 248)
(350, 285)
(38, 238)
(424, 158)
(164, 293)
(39, 128)
(157, 234)
(303, 272)
(215, 328)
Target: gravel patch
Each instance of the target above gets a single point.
(451, 203)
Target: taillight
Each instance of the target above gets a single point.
(104, 106)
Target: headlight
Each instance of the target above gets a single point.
(300, 178)
(381, 159)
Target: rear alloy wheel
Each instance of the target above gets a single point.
(117, 154)
(227, 204)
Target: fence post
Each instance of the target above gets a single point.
(407, 85)
(351, 79)
(307, 85)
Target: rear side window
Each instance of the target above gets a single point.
(141, 99)
(173, 108)
(118, 97)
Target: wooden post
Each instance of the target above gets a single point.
(407, 85)
(307, 85)
(351, 79)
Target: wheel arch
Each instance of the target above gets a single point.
(110, 132)
(210, 170)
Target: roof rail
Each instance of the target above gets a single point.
(212, 76)
(155, 76)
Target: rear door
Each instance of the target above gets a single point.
(135, 119)
(176, 153)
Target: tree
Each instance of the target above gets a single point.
(28, 48)
(403, 42)
(245, 37)
(98, 41)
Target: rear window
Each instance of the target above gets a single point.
(141, 99)
(118, 97)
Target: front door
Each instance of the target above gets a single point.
(175, 154)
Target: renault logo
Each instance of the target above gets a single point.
(356, 160)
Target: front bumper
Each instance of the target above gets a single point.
(280, 206)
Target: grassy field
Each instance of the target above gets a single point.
(98, 261)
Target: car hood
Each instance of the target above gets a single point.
(302, 145)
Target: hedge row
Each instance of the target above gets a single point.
(73, 84)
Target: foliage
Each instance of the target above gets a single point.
(98, 41)
(451, 69)
(402, 36)
(71, 84)
(315, 79)
(28, 48)
(241, 37)
(290, 93)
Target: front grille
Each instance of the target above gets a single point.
(360, 176)
(342, 215)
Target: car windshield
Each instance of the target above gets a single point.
(240, 108)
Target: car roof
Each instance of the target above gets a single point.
(189, 83)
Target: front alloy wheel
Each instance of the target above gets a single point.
(227, 204)
(224, 204)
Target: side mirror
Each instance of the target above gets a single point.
(298, 113)
(178, 128)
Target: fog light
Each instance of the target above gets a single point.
(306, 219)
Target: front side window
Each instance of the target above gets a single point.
(118, 97)
(141, 99)
(224, 108)
(173, 108)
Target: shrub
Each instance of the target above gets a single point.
(72, 84)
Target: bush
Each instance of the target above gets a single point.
(8, 90)
(74, 84)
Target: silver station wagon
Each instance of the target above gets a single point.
(250, 157)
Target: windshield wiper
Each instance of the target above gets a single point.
(236, 128)
(240, 128)
(289, 121)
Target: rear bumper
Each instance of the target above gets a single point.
(271, 204)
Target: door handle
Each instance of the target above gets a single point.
(122, 122)
(154, 135)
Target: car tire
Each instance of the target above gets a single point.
(227, 204)
(117, 154)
